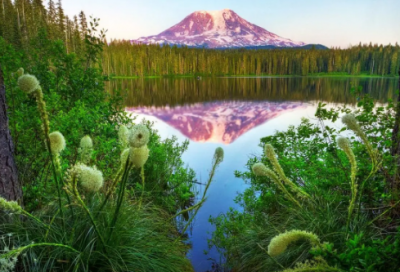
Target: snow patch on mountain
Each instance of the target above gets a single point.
(217, 29)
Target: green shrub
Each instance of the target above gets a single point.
(86, 229)
(132, 226)
(143, 240)
(351, 208)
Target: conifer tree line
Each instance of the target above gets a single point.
(22, 20)
(122, 58)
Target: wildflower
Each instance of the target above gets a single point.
(260, 169)
(7, 264)
(90, 178)
(344, 144)
(86, 142)
(57, 142)
(350, 121)
(11, 206)
(139, 156)
(219, 155)
(123, 135)
(20, 72)
(139, 136)
(86, 148)
(41, 104)
(270, 153)
(28, 83)
(124, 157)
(279, 243)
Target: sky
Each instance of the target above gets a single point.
(333, 23)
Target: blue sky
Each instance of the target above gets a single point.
(332, 23)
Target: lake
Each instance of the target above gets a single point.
(233, 113)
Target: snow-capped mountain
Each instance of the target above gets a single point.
(217, 29)
(218, 122)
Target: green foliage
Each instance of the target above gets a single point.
(143, 240)
(95, 232)
(168, 182)
(363, 254)
(309, 156)
(109, 230)
(78, 106)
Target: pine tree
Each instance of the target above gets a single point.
(83, 23)
(60, 19)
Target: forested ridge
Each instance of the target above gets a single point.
(122, 58)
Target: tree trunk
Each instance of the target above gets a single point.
(396, 144)
(10, 188)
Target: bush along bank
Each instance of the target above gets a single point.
(93, 223)
(320, 198)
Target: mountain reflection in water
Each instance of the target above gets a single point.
(217, 122)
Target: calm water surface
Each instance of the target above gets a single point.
(233, 113)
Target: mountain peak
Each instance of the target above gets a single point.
(217, 29)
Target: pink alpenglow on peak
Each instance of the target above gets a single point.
(217, 29)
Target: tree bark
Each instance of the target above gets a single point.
(10, 188)
(396, 143)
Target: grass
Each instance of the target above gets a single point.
(144, 239)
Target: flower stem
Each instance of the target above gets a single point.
(121, 193)
(142, 176)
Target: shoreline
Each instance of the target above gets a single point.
(321, 75)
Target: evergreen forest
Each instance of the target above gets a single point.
(122, 58)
